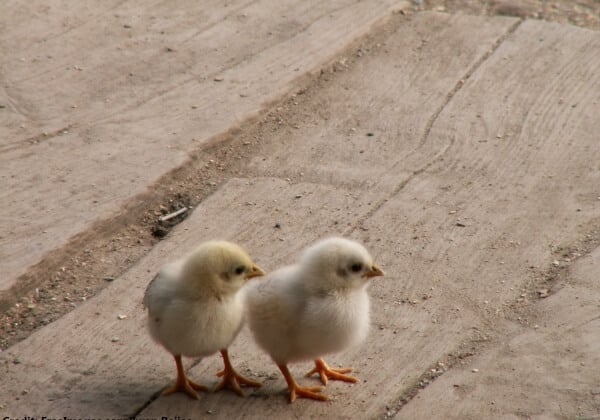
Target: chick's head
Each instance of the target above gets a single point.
(219, 268)
(338, 263)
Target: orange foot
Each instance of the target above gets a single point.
(183, 384)
(232, 379)
(298, 391)
(325, 372)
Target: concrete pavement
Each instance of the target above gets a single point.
(463, 152)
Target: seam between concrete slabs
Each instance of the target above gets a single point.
(457, 87)
(406, 396)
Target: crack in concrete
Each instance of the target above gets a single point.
(428, 127)
(432, 372)
(35, 140)
(475, 345)
(545, 283)
(156, 395)
(145, 405)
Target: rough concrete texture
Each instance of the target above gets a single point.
(462, 151)
(99, 102)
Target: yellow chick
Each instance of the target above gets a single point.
(195, 310)
(316, 307)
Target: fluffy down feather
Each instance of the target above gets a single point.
(195, 308)
(316, 307)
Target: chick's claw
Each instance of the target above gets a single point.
(196, 386)
(187, 387)
(326, 373)
(297, 391)
(307, 392)
(232, 379)
(183, 384)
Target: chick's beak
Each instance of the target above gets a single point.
(374, 272)
(255, 271)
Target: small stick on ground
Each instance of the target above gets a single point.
(172, 215)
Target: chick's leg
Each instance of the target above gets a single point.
(232, 379)
(298, 391)
(325, 372)
(183, 384)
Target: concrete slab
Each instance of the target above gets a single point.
(99, 102)
(379, 114)
(90, 361)
(321, 209)
(516, 191)
(546, 370)
(466, 213)
(500, 196)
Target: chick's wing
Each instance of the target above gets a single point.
(274, 303)
(163, 288)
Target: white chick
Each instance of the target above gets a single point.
(195, 310)
(316, 307)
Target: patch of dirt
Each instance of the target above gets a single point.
(583, 13)
(458, 357)
(75, 273)
(69, 276)
(545, 281)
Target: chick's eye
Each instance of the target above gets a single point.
(356, 267)
(239, 270)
